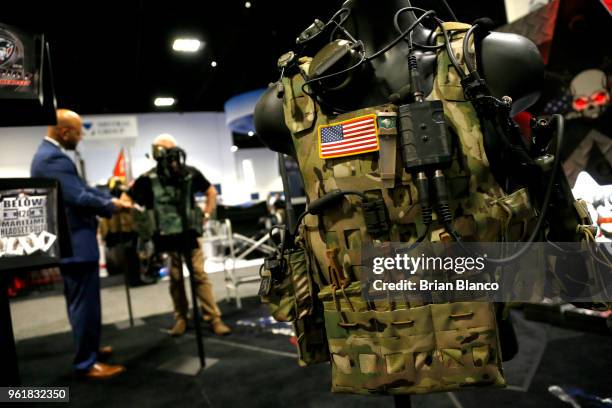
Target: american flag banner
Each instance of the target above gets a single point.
(350, 137)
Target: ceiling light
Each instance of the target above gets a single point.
(213, 64)
(234, 149)
(247, 4)
(164, 101)
(251, 133)
(186, 45)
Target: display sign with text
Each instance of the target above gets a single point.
(110, 127)
(30, 223)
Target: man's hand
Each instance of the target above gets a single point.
(211, 200)
(121, 205)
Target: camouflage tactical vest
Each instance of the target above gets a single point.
(378, 346)
(165, 217)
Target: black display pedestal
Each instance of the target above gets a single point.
(9, 373)
(402, 401)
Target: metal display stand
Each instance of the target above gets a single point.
(38, 109)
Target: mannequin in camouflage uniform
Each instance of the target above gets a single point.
(355, 78)
(159, 192)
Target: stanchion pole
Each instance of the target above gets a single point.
(186, 250)
(126, 282)
(126, 271)
(197, 322)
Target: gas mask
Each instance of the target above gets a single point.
(590, 93)
(171, 162)
(116, 186)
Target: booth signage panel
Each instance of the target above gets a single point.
(110, 127)
(28, 223)
(19, 64)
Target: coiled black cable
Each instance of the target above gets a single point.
(429, 13)
(471, 65)
(409, 40)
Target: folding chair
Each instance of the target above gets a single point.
(236, 235)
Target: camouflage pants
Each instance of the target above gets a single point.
(204, 289)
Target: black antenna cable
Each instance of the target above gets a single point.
(449, 9)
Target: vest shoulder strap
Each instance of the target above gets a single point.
(448, 78)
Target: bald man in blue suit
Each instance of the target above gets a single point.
(81, 271)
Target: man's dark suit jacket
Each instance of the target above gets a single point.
(83, 203)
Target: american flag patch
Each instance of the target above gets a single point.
(349, 137)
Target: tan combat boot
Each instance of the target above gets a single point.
(179, 327)
(220, 328)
